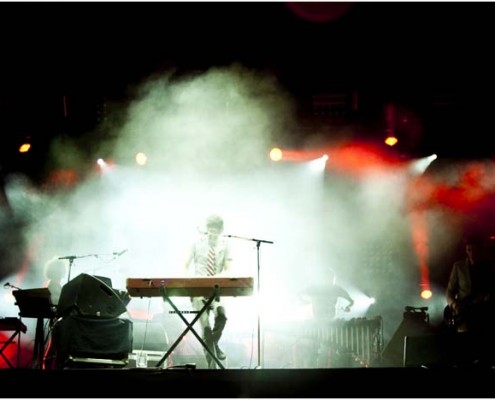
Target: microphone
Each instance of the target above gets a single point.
(201, 231)
(7, 285)
(67, 258)
(119, 253)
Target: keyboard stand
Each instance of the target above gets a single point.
(18, 328)
(189, 326)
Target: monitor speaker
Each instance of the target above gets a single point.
(428, 350)
(412, 325)
(89, 296)
(448, 350)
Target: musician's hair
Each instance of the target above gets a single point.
(54, 268)
(214, 221)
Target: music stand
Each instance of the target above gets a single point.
(36, 303)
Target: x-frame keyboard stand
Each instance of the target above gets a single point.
(12, 324)
(6, 343)
(189, 326)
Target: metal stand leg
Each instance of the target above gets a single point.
(39, 345)
(189, 326)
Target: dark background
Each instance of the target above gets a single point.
(433, 59)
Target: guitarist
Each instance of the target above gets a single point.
(471, 289)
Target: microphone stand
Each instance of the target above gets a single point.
(258, 292)
(71, 261)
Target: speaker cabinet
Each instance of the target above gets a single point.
(89, 296)
(429, 350)
(413, 324)
(76, 337)
(448, 349)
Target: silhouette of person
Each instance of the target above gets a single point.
(55, 272)
(470, 297)
(318, 350)
(325, 297)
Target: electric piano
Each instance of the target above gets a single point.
(189, 287)
(211, 287)
(12, 324)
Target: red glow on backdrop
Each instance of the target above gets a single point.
(319, 12)
(419, 234)
(360, 159)
(10, 352)
(470, 191)
(62, 177)
(300, 155)
(139, 314)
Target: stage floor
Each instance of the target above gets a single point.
(229, 383)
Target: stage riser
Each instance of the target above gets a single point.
(259, 383)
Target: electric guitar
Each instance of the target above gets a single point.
(449, 318)
(470, 311)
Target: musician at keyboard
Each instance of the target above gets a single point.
(55, 273)
(210, 255)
